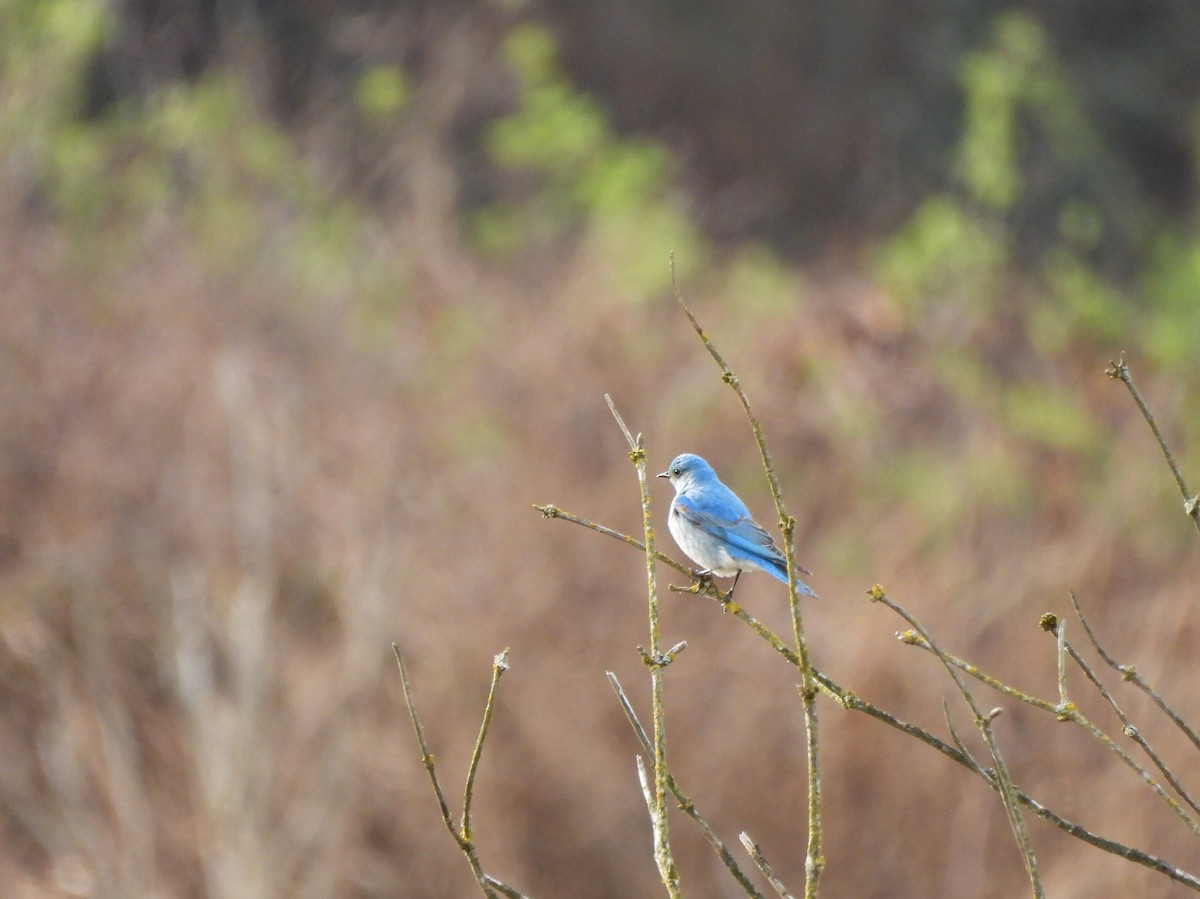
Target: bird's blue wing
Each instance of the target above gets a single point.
(703, 518)
(741, 532)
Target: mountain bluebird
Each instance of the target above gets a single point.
(714, 528)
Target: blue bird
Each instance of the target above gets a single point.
(714, 528)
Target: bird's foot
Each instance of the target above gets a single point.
(727, 598)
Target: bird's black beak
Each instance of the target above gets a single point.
(665, 474)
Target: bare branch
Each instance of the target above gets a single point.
(814, 858)
(489, 885)
(849, 700)
(1119, 371)
(1127, 726)
(1003, 780)
(658, 810)
(685, 803)
(768, 872)
(1129, 673)
(426, 755)
(1067, 712)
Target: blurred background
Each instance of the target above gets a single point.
(304, 304)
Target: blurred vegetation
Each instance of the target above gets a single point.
(434, 234)
(612, 195)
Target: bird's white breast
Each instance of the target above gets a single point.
(703, 549)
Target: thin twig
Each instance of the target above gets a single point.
(426, 755)
(553, 511)
(730, 378)
(984, 721)
(501, 887)
(499, 666)
(764, 866)
(1061, 658)
(1130, 673)
(685, 803)
(700, 588)
(1119, 371)
(814, 857)
(648, 797)
(958, 741)
(658, 811)
(912, 638)
(1129, 853)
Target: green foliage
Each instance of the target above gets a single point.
(1013, 89)
(202, 157)
(960, 259)
(43, 49)
(945, 253)
(956, 245)
(757, 282)
(992, 83)
(556, 129)
(1079, 306)
(920, 477)
(1049, 418)
(611, 195)
(1172, 290)
(381, 92)
(198, 156)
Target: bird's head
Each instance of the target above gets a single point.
(687, 469)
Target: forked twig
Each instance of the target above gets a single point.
(488, 884)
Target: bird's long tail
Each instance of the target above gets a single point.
(778, 570)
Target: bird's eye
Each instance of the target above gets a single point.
(677, 471)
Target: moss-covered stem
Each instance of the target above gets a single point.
(658, 663)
